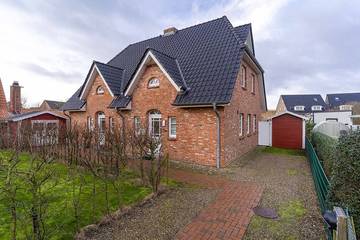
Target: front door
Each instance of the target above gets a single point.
(155, 128)
(101, 125)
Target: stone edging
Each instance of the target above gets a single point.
(85, 231)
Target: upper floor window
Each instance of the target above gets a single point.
(243, 76)
(299, 108)
(172, 127)
(100, 90)
(153, 83)
(345, 107)
(253, 81)
(316, 108)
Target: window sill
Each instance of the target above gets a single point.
(172, 138)
(253, 93)
(244, 88)
(241, 137)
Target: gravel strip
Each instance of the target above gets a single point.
(286, 179)
(162, 218)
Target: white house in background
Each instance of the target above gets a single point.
(305, 104)
(333, 116)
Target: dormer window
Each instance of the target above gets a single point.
(100, 90)
(316, 108)
(345, 107)
(154, 83)
(299, 108)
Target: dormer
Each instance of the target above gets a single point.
(299, 108)
(317, 108)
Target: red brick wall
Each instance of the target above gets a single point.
(196, 127)
(242, 101)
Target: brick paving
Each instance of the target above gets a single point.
(225, 218)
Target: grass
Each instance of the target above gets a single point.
(60, 192)
(283, 151)
(290, 214)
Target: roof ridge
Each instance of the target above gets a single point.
(243, 25)
(343, 93)
(109, 65)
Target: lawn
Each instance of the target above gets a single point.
(61, 192)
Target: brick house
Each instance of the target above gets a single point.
(200, 88)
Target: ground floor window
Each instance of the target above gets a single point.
(155, 124)
(172, 127)
(241, 123)
(254, 123)
(137, 125)
(248, 123)
(45, 132)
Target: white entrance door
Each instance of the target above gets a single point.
(155, 128)
(101, 124)
(265, 133)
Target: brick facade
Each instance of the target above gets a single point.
(196, 127)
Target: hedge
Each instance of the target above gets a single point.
(325, 148)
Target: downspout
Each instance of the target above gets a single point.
(122, 123)
(218, 140)
(68, 115)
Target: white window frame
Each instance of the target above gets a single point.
(153, 83)
(243, 76)
(172, 124)
(299, 108)
(137, 125)
(111, 124)
(100, 90)
(248, 123)
(241, 122)
(345, 107)
(253, 80)
(43, 138)
(316, 108)
(254, 123)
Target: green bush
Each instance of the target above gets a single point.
(325, 148)
(345, 176)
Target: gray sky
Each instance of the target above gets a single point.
(304, 46)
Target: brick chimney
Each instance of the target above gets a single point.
(15, 98)
(170, 31)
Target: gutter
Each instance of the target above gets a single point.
(218, 139)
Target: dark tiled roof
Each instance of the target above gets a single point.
(337, 99)
(54, 104)
(242, 31)
(74, 102)
(112, 75)
(120, 101)
(204, 58)
(307, 101)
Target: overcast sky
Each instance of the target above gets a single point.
(304, 46)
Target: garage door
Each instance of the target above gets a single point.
(287, 132)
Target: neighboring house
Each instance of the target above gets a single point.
(12, 118)
(342, 101)
(51, 105)
(301, 104)
(200, 89)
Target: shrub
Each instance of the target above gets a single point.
(345, 176)
(325, 148)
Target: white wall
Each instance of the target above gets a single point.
(341, 116)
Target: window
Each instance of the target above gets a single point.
(137, 125)
(248, 123)
(243, 76)
(100, 90)
(90, 124)
(111, 124)
(345, 107)
(241, 123)
(172, 127)
(332, 119)
(299, 108)
(253, 81)
(316, 108)
(153, 83)
(254, 123)
(101, 127)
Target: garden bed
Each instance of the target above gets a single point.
(70, 199)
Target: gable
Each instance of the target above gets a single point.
(94, 72)
(149, 59)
